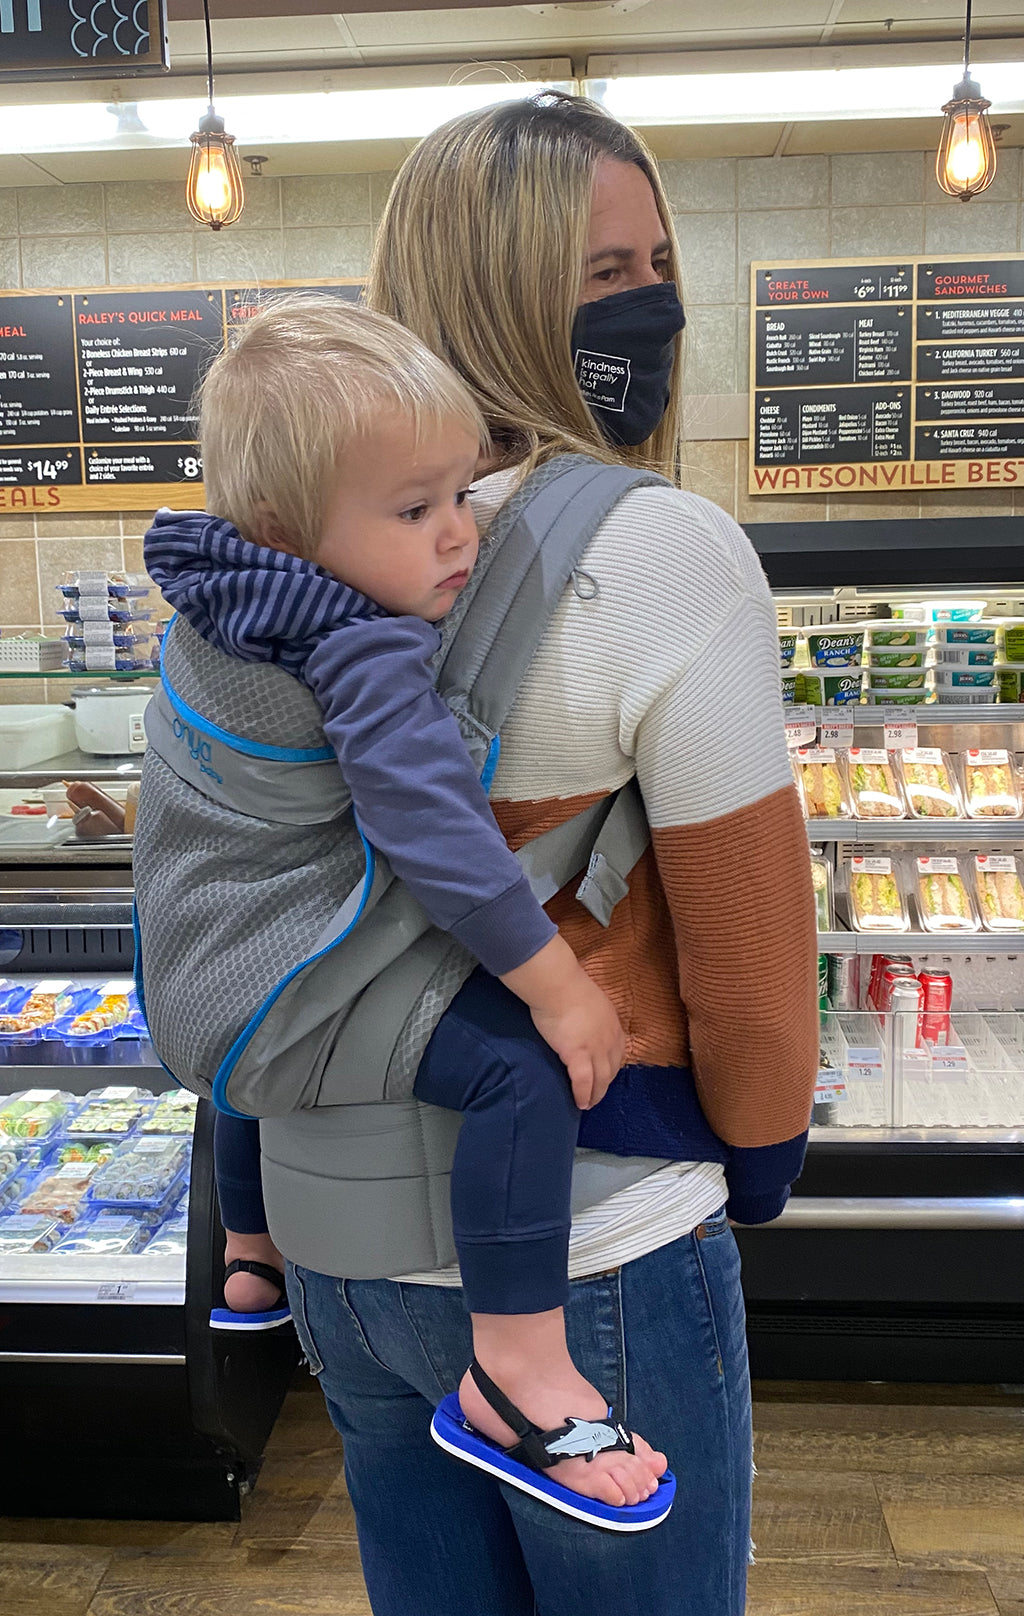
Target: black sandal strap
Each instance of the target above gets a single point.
(262, 1270)
(533, 1447)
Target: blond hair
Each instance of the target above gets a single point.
(481, 252)
(305, 380)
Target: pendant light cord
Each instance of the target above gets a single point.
(967, 42)
(209, 46)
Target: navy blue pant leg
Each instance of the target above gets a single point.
(512, 1173)
(236, 1164)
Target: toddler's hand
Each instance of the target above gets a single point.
(585, 1032)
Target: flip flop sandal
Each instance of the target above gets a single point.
(225, 1318)
(524, 1465)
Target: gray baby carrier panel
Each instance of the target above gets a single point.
(282, 965)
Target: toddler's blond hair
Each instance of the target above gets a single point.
(305, 379)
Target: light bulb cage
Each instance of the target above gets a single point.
(966, 122)
(213, 150)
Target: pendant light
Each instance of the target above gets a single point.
(214, 190)
(966, 161)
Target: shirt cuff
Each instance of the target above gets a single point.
(507, 931)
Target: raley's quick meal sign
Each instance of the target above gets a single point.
(98, 391)
(887, 373)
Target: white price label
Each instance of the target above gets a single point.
(949, 1061)
(871, 866)
(900, 726)
(938, 866)
(837, 730)
(801, 725)
(121, 1291)
(40, 1096)
(826, 1096)
(863, 1071)
(117, 1094)
(997, 863)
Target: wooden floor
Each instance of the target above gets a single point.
(870, 1501)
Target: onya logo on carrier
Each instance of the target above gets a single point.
(603, 379)
(199, 750)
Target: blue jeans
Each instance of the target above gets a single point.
(662, 1336)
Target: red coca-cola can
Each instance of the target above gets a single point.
(893, 973)
(938, 1001)
(878, 965)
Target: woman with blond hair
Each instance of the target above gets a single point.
(530, 245)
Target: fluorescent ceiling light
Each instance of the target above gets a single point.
(820, 95)
(333, 115)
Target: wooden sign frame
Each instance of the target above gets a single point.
(54, 496)
(885, 475)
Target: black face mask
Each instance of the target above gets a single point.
(622, 352)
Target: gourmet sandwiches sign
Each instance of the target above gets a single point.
(887, 373)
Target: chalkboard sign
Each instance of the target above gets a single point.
(887, 373)
(47, 39)
(98, 390)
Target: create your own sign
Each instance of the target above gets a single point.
(98, 391)
(70, 39)
(887, 373)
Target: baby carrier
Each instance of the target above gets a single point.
(281, 964)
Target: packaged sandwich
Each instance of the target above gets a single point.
(876, 901)
(929, 785)
(991, 790)
(821, 880)
(822, 787)
(874, 787)
(1000, 891)
(942, 896)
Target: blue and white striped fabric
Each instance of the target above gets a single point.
(258, 604)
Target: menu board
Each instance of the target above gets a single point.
(98, 391)
(887, 373)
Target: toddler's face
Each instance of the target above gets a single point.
(399, 526)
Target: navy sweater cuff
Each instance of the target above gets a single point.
(507, 931)
(759, 1178)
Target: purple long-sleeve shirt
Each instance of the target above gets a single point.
(414, 788)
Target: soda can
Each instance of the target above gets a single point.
(907, 1003)
(844, 981)
(937, 987)
(894, 972)
(822, 981)
(878, 965)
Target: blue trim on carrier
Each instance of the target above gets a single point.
(241, 743)
(137, 979)
(227, 1065)
(489, 769)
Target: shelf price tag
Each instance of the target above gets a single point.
(801, 725)
(949, 1060)
(837, 729)
(900, 726)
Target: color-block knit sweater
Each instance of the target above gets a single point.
(671, 671)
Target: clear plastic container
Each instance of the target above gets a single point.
(21, 1234)
(991, 788)
(834, 687)
(929, 784)
(836, 647)
(874, 784)
(966, 656)
(898, 698)
(877, 902)
(999, 888)
(953, 611)
(15, 1177)
(108, 1234)
(59, 1192)
(966, 698)
(943, 895)
(103, 1017)
(46, 1002)
(821, 880)
(143, 1174)
(36, 1113)
(822, 783)
(122, 585)
(173, 1113)
(170, 1240)
(110, 1111)
(1011, 638)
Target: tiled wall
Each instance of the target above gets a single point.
(728, 210)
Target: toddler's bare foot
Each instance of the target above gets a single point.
(546, 1386)
(248, 1293)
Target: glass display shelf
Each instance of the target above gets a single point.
(66, 673)
(879, 831)
(981, 943)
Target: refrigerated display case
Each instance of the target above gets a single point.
(117, 1398)
(901, 1253)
